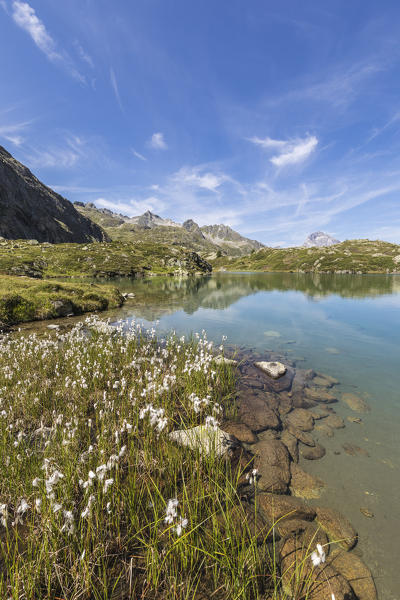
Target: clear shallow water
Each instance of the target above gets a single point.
(347, 326)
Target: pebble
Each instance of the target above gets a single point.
(366, 512)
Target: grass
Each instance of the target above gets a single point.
(95, 501)
(352, 256)
(27, 299)
(99, 259)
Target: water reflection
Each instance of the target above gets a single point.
(165, 295)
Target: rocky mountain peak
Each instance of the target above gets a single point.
(319, 239)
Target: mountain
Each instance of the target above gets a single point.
(319, 239)
(31, 210)
(209, 241)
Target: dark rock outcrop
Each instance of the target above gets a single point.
(31, 210)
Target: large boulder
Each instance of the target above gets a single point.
(205, 439)
(334, 421)
(272, 369)
(314, 453)
(301, 418)
(304, 485)
(338, 528)
(272, 461)
(256, 414)
(278, 507)
(356, 572)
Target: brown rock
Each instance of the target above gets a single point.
(338, 528)
(355, 403)
(301, 418)
(319, 395)
(325, 429)
(255, 413)
(290, 527)
(355, 420)
(320, 381)
(241, 432)
(285, 403)
(367, 513)
(320, 412)
(250, 382)
(279, 507)
(291, 444)
(313, 453)
(272, 461)
(304, 485)
(334, 421)
(281, 384)
(351, 567)
(329, 378)
(303, 436)
(354, 450)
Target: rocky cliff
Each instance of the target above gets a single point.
(31, 210)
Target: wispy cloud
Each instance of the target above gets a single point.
(133, 207)
(12, 132)
(25, 17)
(157, 141)
(65, 155)
(138, 155)
(290, 152)
(83, 55)
(115, 87)
(192, 176)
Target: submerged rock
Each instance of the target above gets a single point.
(304, 485)
(208, 440)
(334, 421)
(353, 450)
(272, 369)
(355, 403)
(222, 360)
(291, 444)
(338, 528)
(256, 414)
(301, 418)
(319, 395)
(359, 577)
(313, 453)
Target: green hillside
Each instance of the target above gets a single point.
(352, 256)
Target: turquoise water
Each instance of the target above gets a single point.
(347, 326)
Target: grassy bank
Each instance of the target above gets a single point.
(95, 501)
(26, 299)
(108, 259)
(353, 256)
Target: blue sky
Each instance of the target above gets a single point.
(277, 118)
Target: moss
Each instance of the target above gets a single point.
(26, 299)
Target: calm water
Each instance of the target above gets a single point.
(347, 326)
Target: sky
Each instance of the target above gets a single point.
(276, 118)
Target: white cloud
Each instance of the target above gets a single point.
(25, 17)
(290, 152)
(138, 155)
(192, 177)
(11, 133)
(114, 85)
(157, 141)
(83, 55)
(133, 207)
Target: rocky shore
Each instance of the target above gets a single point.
(282, 412)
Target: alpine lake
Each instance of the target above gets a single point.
(344, 326)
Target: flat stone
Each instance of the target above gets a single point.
(302, 436)
(304, 485)
(279, 507)
(321, 382)
(357, 574)
(222, 360)
(291, 444)
(272, 461)
(334, 421)
(207, 440)
(319, 395)
(313, 453)
(338, 528)
(241, 431)
(367, 513)
(356, 403)
(325, 429)
(301, 418)
(353, 450)
(272, 369)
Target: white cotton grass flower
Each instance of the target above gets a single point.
(252, 477)
(318, 556)
(21, 510)
(180, 526)
(170, 511)
(333, 597)
(211, 422)
(3, 514)
(107, 484)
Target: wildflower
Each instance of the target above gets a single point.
(211, 422)
(86, 511)
(318, 557)
(4, 514)
(181, 525)
(69, 525)
(21, 510)
(252, 477)
(57, 507)
(35, 482)
(38, 504)
(170, 512)
(108, 483)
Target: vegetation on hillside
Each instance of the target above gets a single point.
(352, 256)
(106, 259)
(26, 299)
